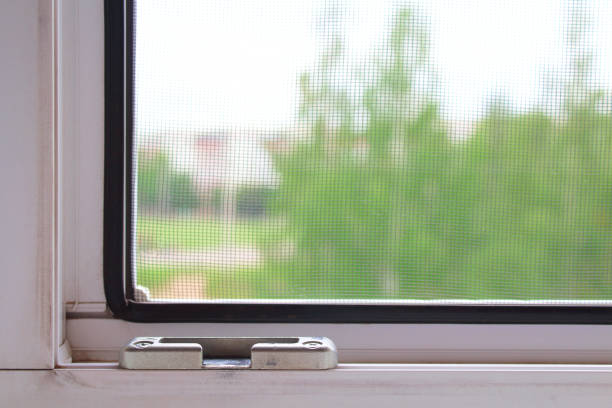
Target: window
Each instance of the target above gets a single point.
(358, 162)
(54, 234)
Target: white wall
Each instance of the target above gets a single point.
(26, 182)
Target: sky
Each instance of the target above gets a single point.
(234, 64)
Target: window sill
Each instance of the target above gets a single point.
(348, 385)
(100, 339)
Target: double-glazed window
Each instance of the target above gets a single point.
(359, 161)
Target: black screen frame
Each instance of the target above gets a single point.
(119, 80)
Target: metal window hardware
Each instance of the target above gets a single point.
(257, 353)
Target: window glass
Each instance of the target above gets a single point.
(372, 151)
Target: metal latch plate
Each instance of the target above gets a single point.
(256, 353)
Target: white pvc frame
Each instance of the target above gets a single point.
(94, 335)
(43, 242)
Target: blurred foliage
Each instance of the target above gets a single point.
(161, 186)
(519, 209)
(382, 200)
(152, 168)
(181, 192)
(254, 201)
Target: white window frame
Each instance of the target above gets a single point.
(52, 244)
(81, 136)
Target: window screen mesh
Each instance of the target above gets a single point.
(373, 150)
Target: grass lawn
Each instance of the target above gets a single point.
(419, 276)
(192, 233)
(269, 281)
(207, 283)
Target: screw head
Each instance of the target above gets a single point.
(142, 344)
(312, 344)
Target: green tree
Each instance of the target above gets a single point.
(161, 185)
(520, 209)
(153, 167)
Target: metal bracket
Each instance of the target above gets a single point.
(257, 353)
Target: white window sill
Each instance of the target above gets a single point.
(100, 339)
(349, 385)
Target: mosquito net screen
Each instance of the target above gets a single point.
(372, 151)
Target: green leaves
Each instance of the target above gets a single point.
(161, 185)
(519, 209)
